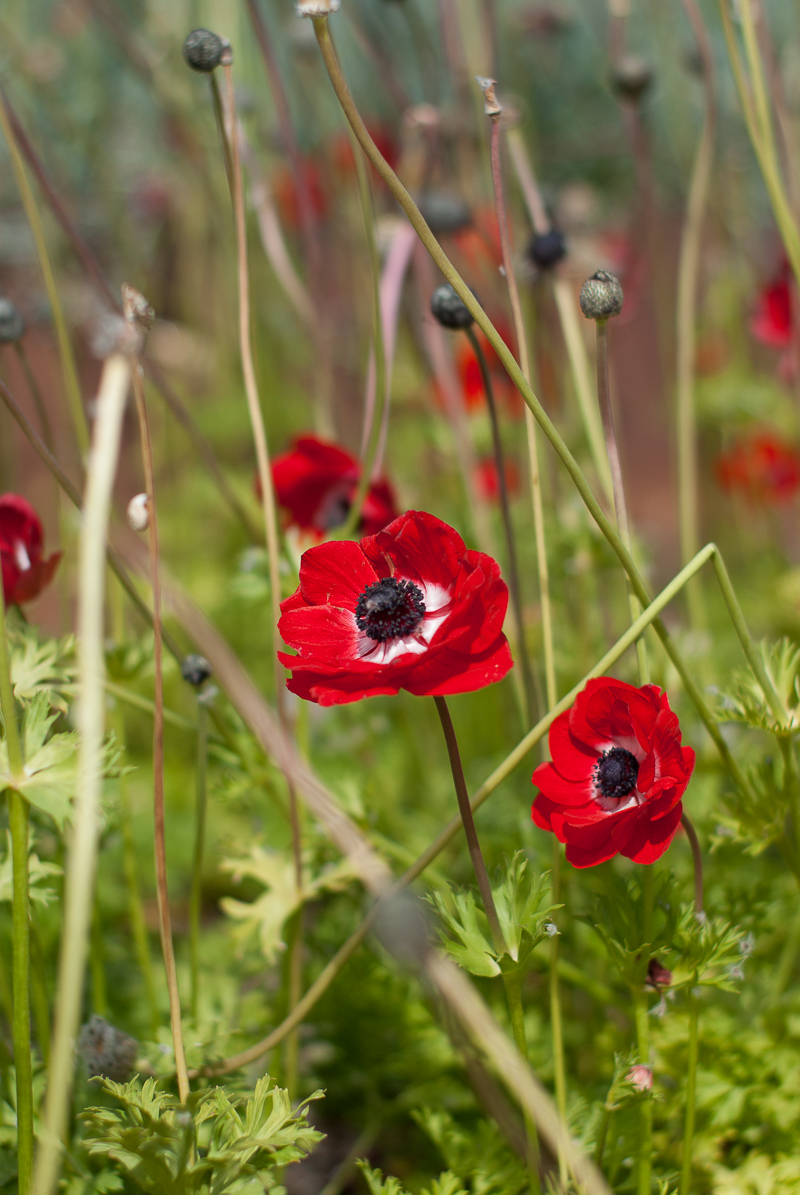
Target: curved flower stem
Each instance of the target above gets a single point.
(219, 117)
(602, 1134)
(555, 993)
(195, 896)
(18, 811)
(484, 323)
(620, 505)
(68, 367)
(686, 315)
(159, 829)
(697, 860)
(530, 422)
(691, 1086)
(83, 848)
(508, 527)
(510, 979)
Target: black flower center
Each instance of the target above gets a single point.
(390, 609)
(616, 772)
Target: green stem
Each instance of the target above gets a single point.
(555, 1008)
(195, 898)
(508, 528)
(97, 966)
(484, 323)
(691, 1083)
(513, 988)
(41, 1006)
(643, 1038)
(216, 103)
(602, 1134)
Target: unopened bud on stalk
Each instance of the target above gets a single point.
(450, 310)
(547, 249)
(641, 1077)
(658, 976)
(316, 8)
(138, 513)
(195, 669)
(631, 77)
(12, 322)
(491, 105)
(601, 296)
(203, 50)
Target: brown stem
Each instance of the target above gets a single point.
(465, 809)
(697, 859)
(36, 394)
(159, 834)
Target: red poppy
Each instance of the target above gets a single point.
(469, 371)
(410, 608)
(617, 774)
(316, 482)
(762, 467)
(284, 185)
(25, 572)
(383, 137)
(771, 321)
(487, 478)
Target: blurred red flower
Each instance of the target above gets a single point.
(342, 149)
(284, 186)
(316, 482)
(488, 480)
(762, 467)
(410, 608)
(617, 774)
(25, 572)
(470, 373)
(771, 321)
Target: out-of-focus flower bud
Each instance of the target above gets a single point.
(658, 977)
(601, 296)
(203, 50)
(195, 669)
(139, 513)
(631, 77)
(12, 322)
(547, 249)
(316, 8)
(641, 1077)
(444, 213)
(450, 310)
(107, 1051)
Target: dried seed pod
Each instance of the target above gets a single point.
(139, 513)
(106, 1050)
(632, 77)
(601, 296)
(203, 50)
(444, 213)
(547, 249)
(195, 669)
(450, 310)
(12, 322)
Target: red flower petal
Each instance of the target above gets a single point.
(25, 573)
(651, 838)
(335, 573)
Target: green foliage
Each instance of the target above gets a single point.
(217, 1144)
(445, 1184)
(619, 920)
(478, 1155)
(710, 952)
(47, 668)
(744, 700)
(39, 871)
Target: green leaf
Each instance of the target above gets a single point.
(744, 700)
(38, 872)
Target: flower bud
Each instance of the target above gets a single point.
(316, 8)
(641, 1077)
(12, 322)
(631, 77)
(195, 669)
(658, 977)
(444, 213)
(450, 310)
(203, 50)
(601, 296)
(107, 1051)
(547, 249)
(139, 513)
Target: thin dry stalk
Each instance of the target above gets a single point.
(79, 885)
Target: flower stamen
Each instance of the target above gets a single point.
(616, 772)
(390, 609)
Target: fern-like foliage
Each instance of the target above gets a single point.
(215, 1145)
(744, 700)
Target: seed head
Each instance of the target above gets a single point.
(106, 1050)
(203, 50)
(631, 77)
(444, 213)
(195, 669)
(547, 249)
(601, 296)
(450, 310)
(12, 322)
(316, 8)
(138, 513)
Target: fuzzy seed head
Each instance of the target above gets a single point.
(195, 669)
(12, 322)
(316, 8)
(547, 249)
(601, 296)
(632, 76)
(139, 513)
(203, 50)
(450, 310)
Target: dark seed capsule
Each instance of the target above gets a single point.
(195, 669)
(444, 213)
(107, 1051)
(203, 50)
(631, 77)
(12, 322)
(449, 309)
(601, 296)
(547, 249)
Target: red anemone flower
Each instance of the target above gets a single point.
(410, 608)
(771, 321)
(617, 774)
(488, 478)
(316, 482)
(763, 468)
(25, 572)
(284, 185)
